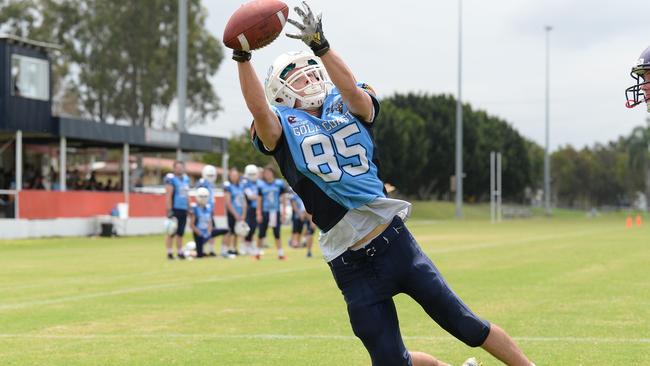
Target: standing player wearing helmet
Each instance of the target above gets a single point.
(251, 173)
(322, 141)
(208, 178)
(201, 220)
(301, 221)
(270, 209)
(177, 186)
(640, 92)
(236, 208)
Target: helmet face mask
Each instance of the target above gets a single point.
(202, 196)
(283, 91)
(251, 172)
(635, 94)
(209, 173)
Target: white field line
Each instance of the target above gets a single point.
(517, 241)
(102, 279)
(21, 305)
(159, 286)
(280, 337)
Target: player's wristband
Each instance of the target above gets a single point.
(241, 56)
(321, 48)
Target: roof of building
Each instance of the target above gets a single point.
(10, 38)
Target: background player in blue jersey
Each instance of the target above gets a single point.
(201, 220)
(208, 178)
(251, 174)
(298, 215)
(321, 137)
(270, 209)
(177, 186)
(236, 208)
(301, 222)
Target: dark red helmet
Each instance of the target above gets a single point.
(634, 95)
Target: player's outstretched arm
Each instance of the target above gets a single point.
(266, 123)
(357, 100)
(311, 33)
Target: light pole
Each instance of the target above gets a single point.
(459, 118)
(547, 161)
(181, 69)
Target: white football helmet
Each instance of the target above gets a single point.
(190, 246)
(171, 225)
(251, 172)
(202, 196)
(209, 173)
(278, 89)
(241, 228)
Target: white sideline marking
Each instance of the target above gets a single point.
(144, 288)
(68, 281)
(303, 337)
(461, 248)
(222, 279)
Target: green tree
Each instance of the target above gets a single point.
(434, 161)
(403, 149)
(638, 148)
(119, 57)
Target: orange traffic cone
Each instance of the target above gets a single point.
(639, 221)
(628, 222)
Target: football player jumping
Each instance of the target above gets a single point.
(321, 136)
(640, 92)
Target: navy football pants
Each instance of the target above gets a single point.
(393, 263)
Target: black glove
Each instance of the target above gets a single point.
(170, 214)
(311, 30)
(241, 56)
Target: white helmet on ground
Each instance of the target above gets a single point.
(190, 245)
(209, 173)
(242, 228)
(251, 172)
(278, 89)
(171, 225)
(202, 196)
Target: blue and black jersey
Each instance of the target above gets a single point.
(181, 187)
(251, 192)
(202, 218)
(237, 197)
(330, 162)
(270, 193)
(300, 206)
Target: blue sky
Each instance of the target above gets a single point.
(411, 45)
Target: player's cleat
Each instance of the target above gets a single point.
(170, 256)
(212, 254)
(282, 257)
(181, 256)
(472, 362)
(309, 254)
(257, 257)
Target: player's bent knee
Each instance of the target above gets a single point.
(384, 346)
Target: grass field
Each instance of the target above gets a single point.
(571, 290)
